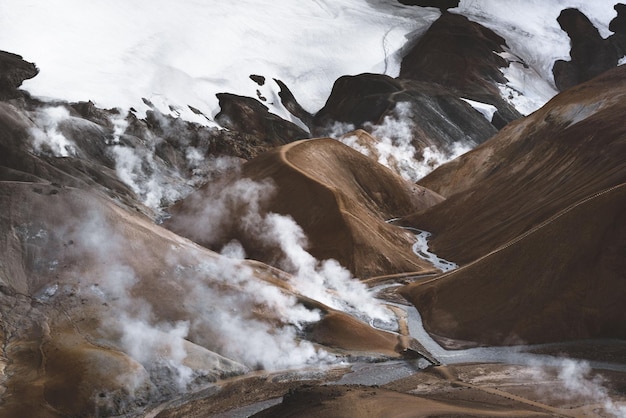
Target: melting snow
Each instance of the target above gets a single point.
(182, 53)
(179, 54)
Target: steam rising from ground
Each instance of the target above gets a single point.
(155, 184)
(156, 181)
(578, 383)
(326, 281)
(222, 306)
(47, 135)
(240, 206)
(394, 146)
(159, 183)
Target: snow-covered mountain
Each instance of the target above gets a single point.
(211, 208)
(180, 54)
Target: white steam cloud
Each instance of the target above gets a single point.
(326, 281)
(47, 136)
(156, 183)
(227, 308)
(576, 381)
(241, 205)
(394, 145)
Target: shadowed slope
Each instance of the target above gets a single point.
(538, 213)
(362, 401)
(561, 281)
(571, 148)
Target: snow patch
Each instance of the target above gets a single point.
(485, 109)
(533, 34)
(180, 54)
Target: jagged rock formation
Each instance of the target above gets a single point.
(462, 56)
(618, 26)
(13, 71)
(537, 214)
(291, 104)
(591, 54)
(365, 100)
(454, 59)
(249, 116)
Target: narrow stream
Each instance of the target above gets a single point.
(509, 354)
(420, 248)
(381, 373)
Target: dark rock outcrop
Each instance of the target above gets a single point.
(249, 116)
(436, 115)
(13, 71)
(618, 26)
(462, 56)
(441, 4)
(291, 104)
(590, 54)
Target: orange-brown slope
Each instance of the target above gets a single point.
(362, 195)
(90, 293)
(563, 280)
(571, 148)
(339, 197)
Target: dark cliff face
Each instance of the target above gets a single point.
(461, 55)
(591, 55)
(251, 117)
(437, 116)
(441, 4)
(13, 71)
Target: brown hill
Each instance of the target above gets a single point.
(570, 149)
(563, 280)
(538, 213)
(339, 197)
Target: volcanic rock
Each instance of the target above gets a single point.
(291, 104)
(441, 4)
(462, 56)
(435, 115)
(618, 24)
(13, 71)
(590, 54)
(251, 117)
